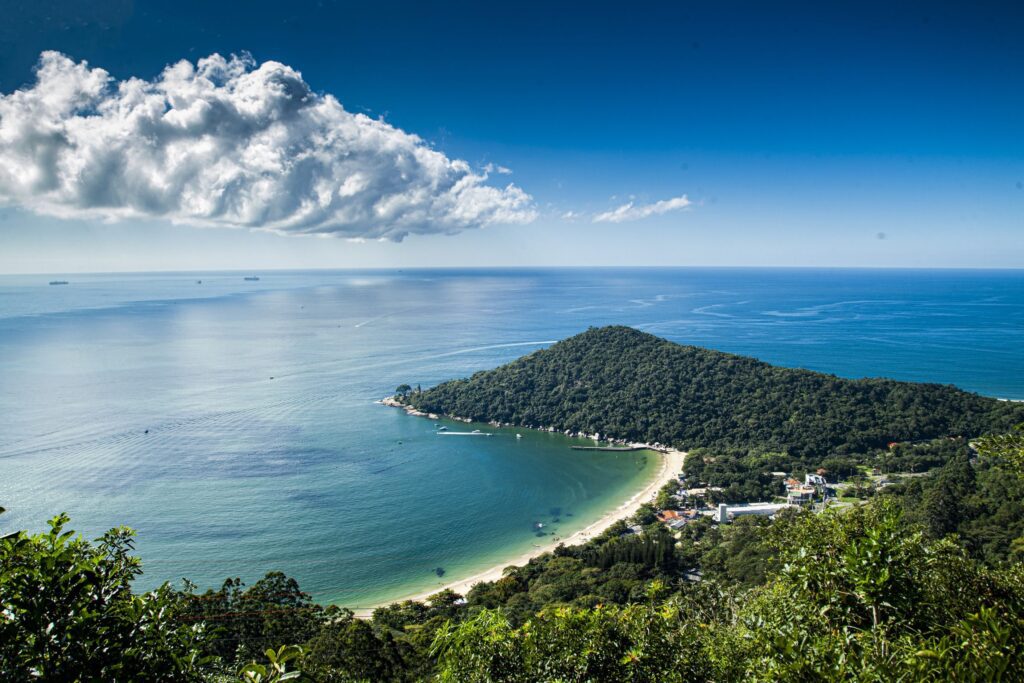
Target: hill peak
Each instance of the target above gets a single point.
(625, 383)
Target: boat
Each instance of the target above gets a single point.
(519, 436)
(58, 282)
(473, 433)
(442, 429)
(251, 278)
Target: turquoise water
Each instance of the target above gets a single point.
(233, 423)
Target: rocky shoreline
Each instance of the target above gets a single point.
(392, 402)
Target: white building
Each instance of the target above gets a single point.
(814, 480)
(727, 513)
(800, 495)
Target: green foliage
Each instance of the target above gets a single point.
(666, 495)
(635, 643)
(741, 555)
(67, 613)
(651, 550)
(276, 668)
(616, 568)
(247, 621)
(1007, 450)
(632, 385)
(646, 514)
(860, 595)
(919, 456)
(350, 649)
(978, 503)
(743, 475)
(854, 595)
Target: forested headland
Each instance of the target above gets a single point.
(626, 384)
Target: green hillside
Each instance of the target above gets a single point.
(628, 384)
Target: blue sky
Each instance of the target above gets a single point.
(847, 134)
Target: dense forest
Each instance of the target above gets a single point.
(924, 582)
(627, 384)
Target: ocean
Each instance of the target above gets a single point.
(233, 422)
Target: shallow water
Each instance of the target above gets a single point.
(233, 423)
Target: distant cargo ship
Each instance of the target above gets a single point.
(251, 278)
(58, 282)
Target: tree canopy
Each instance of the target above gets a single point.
(627, 384)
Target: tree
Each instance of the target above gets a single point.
(67, 613)
(945, 500)
(276, 669)
(645, 515)
(1006, 449)
(272, 612)
(860, 595)
(348, 649)
(636, 643)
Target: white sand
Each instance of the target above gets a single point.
(671, 465)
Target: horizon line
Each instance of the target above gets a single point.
(257, 270)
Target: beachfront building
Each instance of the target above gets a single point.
(726, 513)
(677, 519)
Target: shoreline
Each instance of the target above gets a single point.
(671, 465)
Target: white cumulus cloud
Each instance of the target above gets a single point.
(228, 142)
(633, 212)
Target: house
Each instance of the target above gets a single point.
(800, 495)
(814, 479)
(676, 519)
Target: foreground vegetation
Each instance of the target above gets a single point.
(872, 592)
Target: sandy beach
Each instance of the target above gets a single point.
(671, 465)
